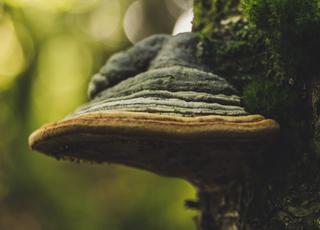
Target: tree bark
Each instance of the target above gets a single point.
(282, 191)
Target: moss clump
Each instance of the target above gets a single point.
(284, 104)
(235, 52)
(209, 14)
(291, 30)
(270, 54)
(270, 99)
(290, 33)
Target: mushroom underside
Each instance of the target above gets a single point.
(195, 148)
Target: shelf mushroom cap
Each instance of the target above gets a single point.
(176, 118)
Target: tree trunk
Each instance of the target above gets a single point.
(279, 80)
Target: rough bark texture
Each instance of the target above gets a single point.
(270, 53)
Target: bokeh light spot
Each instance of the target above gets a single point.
(104, 21)
(183, 4)
(176, 7)
(133, 21)
(184, 23)
(55, 5)
(72, 6)
(84, 6)
(64, 68)
(12, 59)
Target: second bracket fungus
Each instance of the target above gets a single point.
(157, 107)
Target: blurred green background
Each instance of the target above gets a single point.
(49, 49)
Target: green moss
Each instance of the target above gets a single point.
(269, 56)
(281, 36)
(291, 30)
(281, 15)
(286, 105)
(273, 61)
(270, 99)
(238, 56)
(208, 15)
(203, 22)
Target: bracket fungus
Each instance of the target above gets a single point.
(158, 108)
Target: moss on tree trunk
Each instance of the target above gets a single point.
(269, 50)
